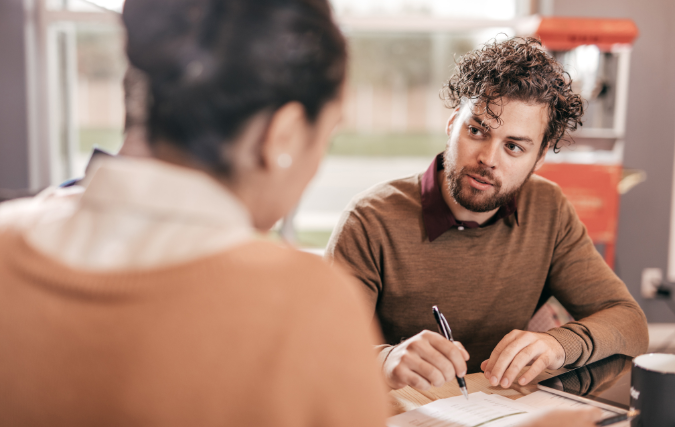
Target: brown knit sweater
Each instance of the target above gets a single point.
(487, 281)
(257, 335)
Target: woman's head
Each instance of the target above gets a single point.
(237, 86)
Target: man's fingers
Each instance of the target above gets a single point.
(407, 377)
(418, 382)
(465, 353)
(428, 372)
(415, 380)
(518, 349)
(505, 358)
(426, 359)
(413, 371)
(496, 353)
(522, 359)
(453, 355)
(438, 359)
(537, 368)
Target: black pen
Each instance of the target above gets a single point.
(447, 332)
(618, 418)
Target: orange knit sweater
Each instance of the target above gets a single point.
(253, 336)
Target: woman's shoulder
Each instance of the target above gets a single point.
(23, 213)
(275, 266)
(283, 261)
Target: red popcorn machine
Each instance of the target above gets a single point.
(596, 54)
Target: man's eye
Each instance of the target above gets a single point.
(513, 147)
(475, 131)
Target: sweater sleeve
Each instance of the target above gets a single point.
(609, 320)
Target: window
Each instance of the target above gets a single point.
(401, 53)
(81, 67)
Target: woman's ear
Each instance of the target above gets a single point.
(286, 136)
(247, 152)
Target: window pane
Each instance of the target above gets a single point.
(101, 63)
(73, 5)
(88, 104)
(115, 5)
(56, 4)
(487, 9)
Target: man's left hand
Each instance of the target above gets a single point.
(519, 349)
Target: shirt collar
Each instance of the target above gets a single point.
(436, 214)
(96, 154)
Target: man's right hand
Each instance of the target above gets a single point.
(585, 417)
(425, 360)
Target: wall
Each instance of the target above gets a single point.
(644, 218)
(13, 100)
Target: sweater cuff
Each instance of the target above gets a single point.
(570, 342)
(383, 353)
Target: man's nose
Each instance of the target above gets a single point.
(488, 155)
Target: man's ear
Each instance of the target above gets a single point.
(540, 160)
(285, 135)
(451, 120)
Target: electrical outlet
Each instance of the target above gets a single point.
(651, 279)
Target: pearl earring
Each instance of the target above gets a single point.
(284, 160)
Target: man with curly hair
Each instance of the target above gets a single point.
(486, 240)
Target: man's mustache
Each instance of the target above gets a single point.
(482, 172)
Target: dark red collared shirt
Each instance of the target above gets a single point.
(438, 217)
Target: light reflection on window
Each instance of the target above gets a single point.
(488, 9)
(75, 5)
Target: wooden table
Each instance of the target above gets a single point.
(409, 398)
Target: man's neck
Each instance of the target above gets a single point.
(460, 212)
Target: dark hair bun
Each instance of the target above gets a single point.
(161, 33)
(212, 64)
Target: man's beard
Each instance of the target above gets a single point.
(478, 200)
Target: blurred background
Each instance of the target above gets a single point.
(62, 63)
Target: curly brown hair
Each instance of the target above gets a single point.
(517, 69)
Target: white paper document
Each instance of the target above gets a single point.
(480, 410)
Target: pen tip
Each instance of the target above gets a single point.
(464, 392)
